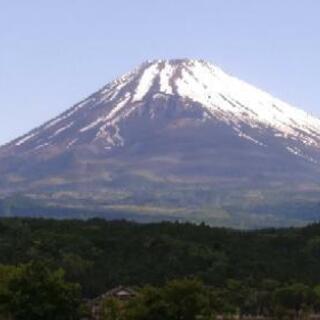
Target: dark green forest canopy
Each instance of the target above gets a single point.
(101, 254)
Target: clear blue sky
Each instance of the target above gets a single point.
(54, 53)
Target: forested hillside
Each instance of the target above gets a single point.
(100, 254)
(244, 269)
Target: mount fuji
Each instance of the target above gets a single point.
(173, 139)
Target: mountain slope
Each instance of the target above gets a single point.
(177, 138)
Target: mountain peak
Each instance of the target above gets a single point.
(192, 84)
(173, 138)
(176, 61)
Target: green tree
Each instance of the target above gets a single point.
(38, 293)
(7, 273)
(149, 304)
(187, 300)
(295, 299)
(112, 309)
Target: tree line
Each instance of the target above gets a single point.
(51, 265)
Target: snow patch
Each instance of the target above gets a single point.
(247, 137)
(117, 109)
(24, 139)
(41, 146)
(146, 82)
(230, 99)
(106, 119)
(60, 130)
(297, 152)
(71, 143)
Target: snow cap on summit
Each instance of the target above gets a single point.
(222, 98)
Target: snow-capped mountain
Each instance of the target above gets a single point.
(220, 96)
(170, 125)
